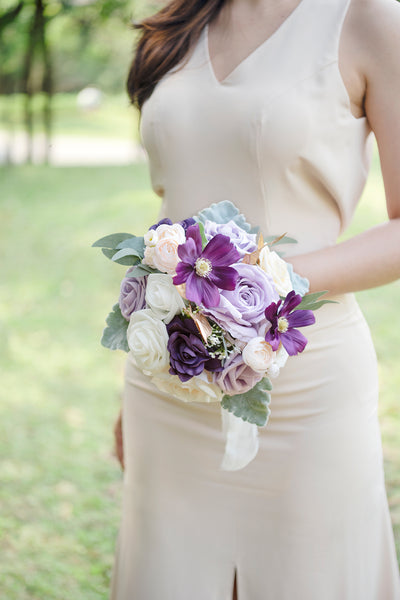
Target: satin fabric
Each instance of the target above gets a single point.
(308, 518)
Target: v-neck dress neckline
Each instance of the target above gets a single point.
(275, 34)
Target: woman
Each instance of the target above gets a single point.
(270, 104)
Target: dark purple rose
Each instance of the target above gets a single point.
(188, 354)
(237, 377)
(187, 223)
(206, 271)
(132, 294)
(165, 221)
(284, 318)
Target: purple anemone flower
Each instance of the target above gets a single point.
(284, 319)
(204, 271)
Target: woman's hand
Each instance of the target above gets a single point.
(118, 444)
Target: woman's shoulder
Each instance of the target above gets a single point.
(372, 40)
(375, 24)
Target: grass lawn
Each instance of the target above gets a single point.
(114, 118)
(59, 394)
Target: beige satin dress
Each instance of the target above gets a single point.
(308, 518)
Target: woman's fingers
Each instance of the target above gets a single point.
(118, 444)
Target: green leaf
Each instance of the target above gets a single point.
(141, 271)
(129, 259)
(114, 335)
(136, 243)
(313, 302)
(126, 252)
(251, 406)
(204, 240)
(109, 252)
(111, 241)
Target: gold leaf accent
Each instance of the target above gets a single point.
(276, 240)
(252, 257)
(201, 322)
(202, 325)
(181, 290)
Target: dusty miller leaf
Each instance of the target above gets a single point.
(252, 406)
(223, 212)
(114, 335)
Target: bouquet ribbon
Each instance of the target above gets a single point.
(241, 444)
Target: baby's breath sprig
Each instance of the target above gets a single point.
(218, 346)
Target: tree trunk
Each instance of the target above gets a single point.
(47, 85)
(37, 45)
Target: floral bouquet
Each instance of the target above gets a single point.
(211, 314)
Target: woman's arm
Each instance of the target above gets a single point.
(373, 257)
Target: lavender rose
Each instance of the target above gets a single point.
(188, 354)
(237, 377)
(244, 242)
(241, 311)
(132, 294)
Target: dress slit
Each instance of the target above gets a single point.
(234, 593)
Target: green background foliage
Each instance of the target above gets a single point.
(90, 42)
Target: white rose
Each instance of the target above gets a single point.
(147, 339)
(258, 354)
(197, 389)
(162, 297)
(279, 361)
(150, 238)
(274, 265)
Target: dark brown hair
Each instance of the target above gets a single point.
(166, 39)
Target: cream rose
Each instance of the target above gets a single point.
(147, 339)
(165, 255)
(174, 232)
(258, 354)
(148, 256)
(274, 265)
(162, 297)
(197, 389)
(161, 250)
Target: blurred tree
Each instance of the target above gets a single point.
(49, 45)
(36, 47)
